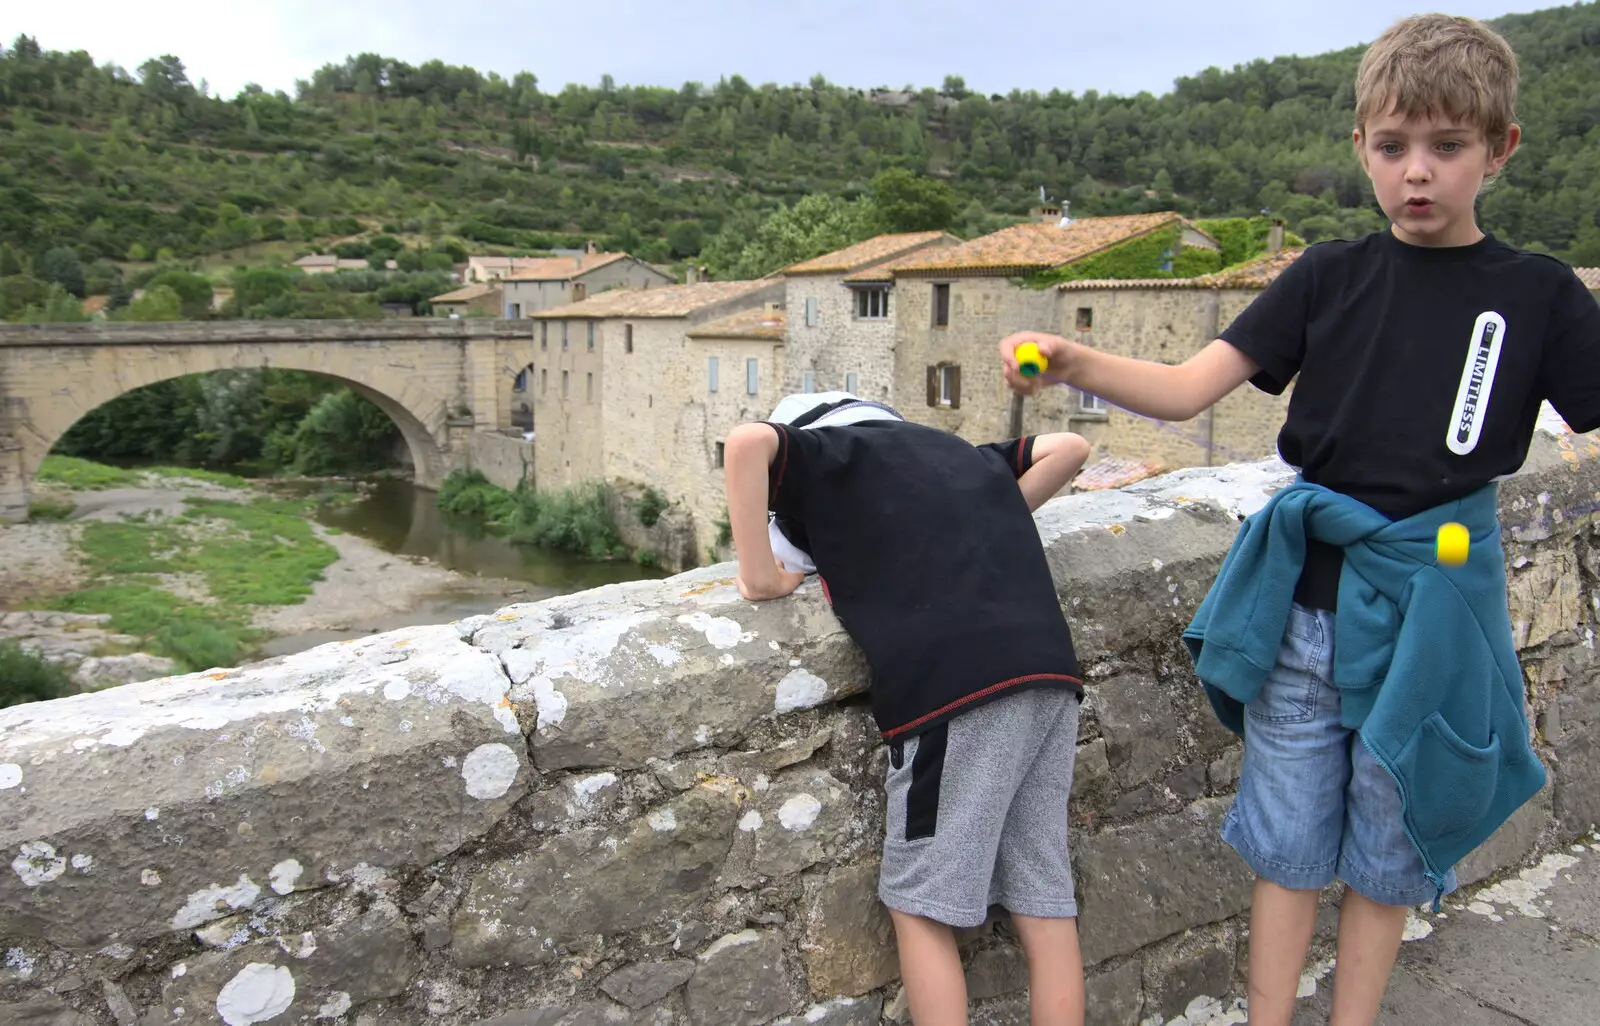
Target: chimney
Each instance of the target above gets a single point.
(1046, 212)
(692, 275)
(1275, 237)
(589, 247)
(770, 311)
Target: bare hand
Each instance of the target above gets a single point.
(782, 582)
(1054, 348)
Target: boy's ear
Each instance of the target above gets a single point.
(1361, 151)
(1497, 160)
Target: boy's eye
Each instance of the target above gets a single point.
(1389, 149)
(1450, 147)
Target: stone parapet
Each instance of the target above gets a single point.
(657, 803)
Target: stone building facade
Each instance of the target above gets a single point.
(638, 388)
(841, 334)
(557, 281)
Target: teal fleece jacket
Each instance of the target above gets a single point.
(1423, 656)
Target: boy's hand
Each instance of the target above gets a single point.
(776, 584)
(1055, 349)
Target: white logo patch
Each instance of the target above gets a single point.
(1477, 381)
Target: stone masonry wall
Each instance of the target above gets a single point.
(656, 803)
(504, 460)
(840, 343)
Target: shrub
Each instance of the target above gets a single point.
(649, 507)
(24, 677)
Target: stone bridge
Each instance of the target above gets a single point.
(656, 803)
(439, 380)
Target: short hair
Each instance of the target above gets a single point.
(1440, 65)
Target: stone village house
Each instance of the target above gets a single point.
(478, 299)
(842, 334)
(639, 388)
(557, 281)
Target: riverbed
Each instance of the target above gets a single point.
(400, 561)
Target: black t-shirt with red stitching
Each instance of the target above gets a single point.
(931, 560)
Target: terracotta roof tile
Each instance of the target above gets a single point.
(466, 293)
(1112, 472)
(665, 301)
(1590, 276)
(561, 268)
(872, 251)
(1035, 245)
(753, 324)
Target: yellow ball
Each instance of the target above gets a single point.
(1030, 361)
(1453, 543)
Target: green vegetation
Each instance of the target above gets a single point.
(110, 180)
(42, 509)
(261, 554)
(261, 421)
(82, 475)
(571, 519)
(649, 507)
(24, 677)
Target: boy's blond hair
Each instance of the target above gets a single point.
(1440, 65)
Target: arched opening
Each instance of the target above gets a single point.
(256, 421)
(524, 400)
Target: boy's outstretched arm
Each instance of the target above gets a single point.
(1057, 458)
(1157, 390)
(746, 459)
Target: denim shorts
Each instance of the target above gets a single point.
(1313, 803)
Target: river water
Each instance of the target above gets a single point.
(403, 519)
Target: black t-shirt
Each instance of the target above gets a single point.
(932, 562)
(1421, 370)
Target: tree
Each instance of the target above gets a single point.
(908, 203)
(78, 162)
(62, 266)
(161, 303)
(685, 238)
(815, 225)
(193, 290)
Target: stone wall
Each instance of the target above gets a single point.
(656, 803)
(840, 343)
(505, 460)
(1168, 324)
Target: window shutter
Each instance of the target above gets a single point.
(955, 387)
(933, 385)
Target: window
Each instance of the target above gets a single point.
(851, 381)
(711, 374)
(563, 335)
(544, 334)
(589, 387)
(1091, 404)
(872, 304)
(1085, 318)
(627, 338)
(544, 381)
(752, 374)
(808, 382)
(941, 306)
(564, 375)
(580, 292)
(720, 448)
(521, 384)
(811, 312)
(514, 311)
(591, 336)
(944, 385)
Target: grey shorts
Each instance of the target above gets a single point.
(978, 813)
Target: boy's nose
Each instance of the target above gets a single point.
(1419, 171)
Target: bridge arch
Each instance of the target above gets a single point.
(423, 374)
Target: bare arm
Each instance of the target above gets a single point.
(1154, 389)
(747, 457)
(1057, 458)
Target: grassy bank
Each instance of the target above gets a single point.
(187, 586)
(570, 519)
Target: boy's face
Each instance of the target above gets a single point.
(1427, 172)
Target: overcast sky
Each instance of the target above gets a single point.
(1072, 45)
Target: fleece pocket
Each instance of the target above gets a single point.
(1453, 783)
